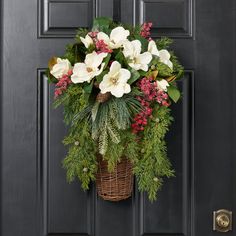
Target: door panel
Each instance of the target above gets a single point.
(35, 198)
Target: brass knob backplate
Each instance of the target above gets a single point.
(222, 220)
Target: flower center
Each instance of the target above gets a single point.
(114, 80)
(89, 69)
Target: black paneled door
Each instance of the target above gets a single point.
(35, 198)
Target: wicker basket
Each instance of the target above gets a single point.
(115, 186)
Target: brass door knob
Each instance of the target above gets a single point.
(223, 220)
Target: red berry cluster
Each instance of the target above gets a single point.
(102, 47)
(62, 84)
(145, 30)
(151, 93)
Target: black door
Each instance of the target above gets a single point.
(35, 198)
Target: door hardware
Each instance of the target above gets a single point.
(222, 220)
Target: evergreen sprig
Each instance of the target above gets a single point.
(153, 163)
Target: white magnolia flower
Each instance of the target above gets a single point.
(85, 72)
(117, 37)
(60, 68)
(162, 84)
(152, 48)
(116, 80)
(163, 54)
(136, 60)
(87, 41)
(165, 58)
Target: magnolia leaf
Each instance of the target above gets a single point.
(164, 70)
(106, 61)
(52, 62)
(171, 79)
(120, 57)
(134, 76)
(99, 78)
(174, 93)
(88, 87)
(154, 74)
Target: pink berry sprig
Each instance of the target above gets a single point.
(145, 30)
(151, 93)
(62, 84)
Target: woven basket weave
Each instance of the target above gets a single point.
(115, 186)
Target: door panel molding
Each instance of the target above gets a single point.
(176, 200)
(64, 209)
(61, 18)
(172, 18)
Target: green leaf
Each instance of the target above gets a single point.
(120, 58)
(88, 87)
(99, 78)
(102, 24)
(174, 93)
(134, 76)
(163, 70)
(106, 61)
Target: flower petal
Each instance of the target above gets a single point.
(104, 37)
(115, 68)
(60, 68)
(152, 48)
(98, 72)
(94, 60)
(162, 84)
(80, 73)
(145, 58)
(128, 49)
(135, 66)
(170, 64)
(136, 47)
(87, 41)
(118, 91)
(124, 75)
(119, 34)
(127, 88)
(105, 85)
(164, 55)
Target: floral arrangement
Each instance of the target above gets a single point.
(116, 85)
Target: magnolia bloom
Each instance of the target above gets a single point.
(152, 48)
(87, 41)
(163, 54)
(61, 68)
(165, 58)
(136, 60)
(116, 81)
(162, 84)
(117, 37)
(85, 72)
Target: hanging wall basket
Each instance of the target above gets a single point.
(116, 185)
(117, 85)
